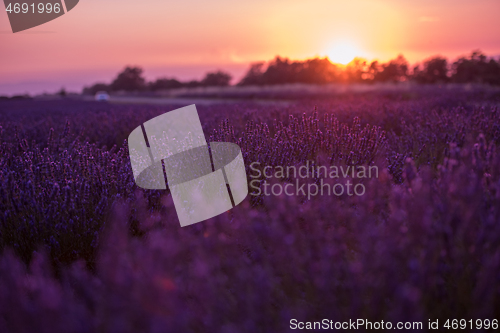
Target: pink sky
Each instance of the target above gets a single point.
(187, 38)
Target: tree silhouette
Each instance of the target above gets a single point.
(130, 79)
(218, 78)
(435, 70)
(395, 70)
(92, 90)
(282, 71)
(357, 71)
(476, 68)
(254, 75)
(192, 84)
(164, 84)
(316, 70)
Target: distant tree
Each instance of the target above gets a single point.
(164, 84)
(192, 84)
(254, 75)
(435, 70)
(395, 70)
(92, 90)
(372, 71)
(476, 68)
(130, 79)
(62, 92)
(279, 71)
(316, 70)
(492, 75)
(218, 78)
(356, 71)
(21, 97)
(282, 70)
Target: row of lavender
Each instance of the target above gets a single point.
(420, 244)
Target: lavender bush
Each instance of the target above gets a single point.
(85, 250)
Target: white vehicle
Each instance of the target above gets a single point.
(101, 96)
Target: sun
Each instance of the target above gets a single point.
(343, 52)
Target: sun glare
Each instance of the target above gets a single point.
(343, 53)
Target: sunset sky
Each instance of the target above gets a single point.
(186, 38)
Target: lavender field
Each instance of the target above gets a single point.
(83, 249)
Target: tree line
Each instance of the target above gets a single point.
(474, 68)
(132, 79)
